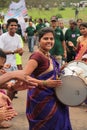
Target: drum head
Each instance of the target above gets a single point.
(74, 67)
(73, 91)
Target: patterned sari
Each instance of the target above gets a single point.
(44, 111)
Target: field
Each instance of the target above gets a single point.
(68, 13)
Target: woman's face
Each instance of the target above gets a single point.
(47, 41)
(83, 30)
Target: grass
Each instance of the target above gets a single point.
(68, 13)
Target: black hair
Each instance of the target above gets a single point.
(45, 30)
(11, 20)
(84, 24)
(41, 20)
(2, 54)
(79, 19)
(72, 22)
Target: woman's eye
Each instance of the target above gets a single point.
(45, 38)
(48, 38)
(51, 39)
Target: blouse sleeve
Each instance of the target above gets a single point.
(36, 56)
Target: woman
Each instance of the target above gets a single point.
(44, 111)
(82, 43)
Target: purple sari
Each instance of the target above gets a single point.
(44, 111)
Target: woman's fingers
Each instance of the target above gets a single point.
(7, 113)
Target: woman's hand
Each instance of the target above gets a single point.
(7, 113)
(53, 83)
(70, 44)
(4, 100)
(7, 66)
(20, 85)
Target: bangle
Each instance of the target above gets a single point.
(44, 83)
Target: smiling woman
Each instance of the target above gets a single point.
(44, 111)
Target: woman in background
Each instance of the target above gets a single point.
(82, 43)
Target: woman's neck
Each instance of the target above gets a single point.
(85, 36)
(46, 53)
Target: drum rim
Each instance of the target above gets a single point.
(75, 61)
(70, 104)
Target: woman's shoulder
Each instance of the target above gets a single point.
(36, 55)
(80, 38)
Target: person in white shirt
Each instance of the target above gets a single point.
(61, 25)
(10, 42)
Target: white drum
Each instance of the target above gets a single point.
(77, 68)
(73, 91)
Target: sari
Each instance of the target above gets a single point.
(44, 111)
(82, 49)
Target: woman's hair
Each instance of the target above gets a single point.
(45, 30)
(2, 54)
(84, 24)
(79, 20)
(11, 20)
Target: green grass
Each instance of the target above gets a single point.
(68, 13)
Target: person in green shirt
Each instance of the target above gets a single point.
(4, 28)
(71, 36)
(40, 25)
(59, 49)
(30, 31)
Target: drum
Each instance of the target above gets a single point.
(73, 91)
(77, 68)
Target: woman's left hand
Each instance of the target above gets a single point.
(53, 83)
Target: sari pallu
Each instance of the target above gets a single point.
(44, 111)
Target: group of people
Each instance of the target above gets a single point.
(41, 74)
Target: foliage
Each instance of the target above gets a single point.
(59, 16)
(61, 8)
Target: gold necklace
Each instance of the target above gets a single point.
(47, 54)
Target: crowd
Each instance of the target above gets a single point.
(57, 44)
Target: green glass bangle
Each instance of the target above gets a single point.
(44, 83)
